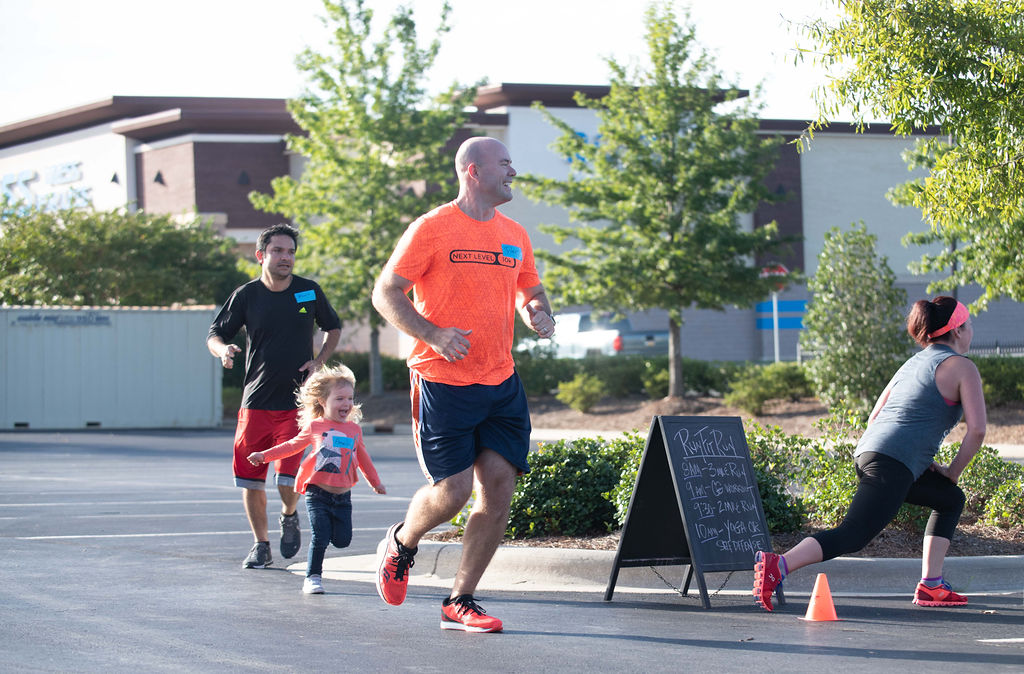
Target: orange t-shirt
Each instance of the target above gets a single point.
(466, 274)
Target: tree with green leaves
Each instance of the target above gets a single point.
(957, 64)
(659, 191)
(376, 148)
(84, 257)
(855, 325)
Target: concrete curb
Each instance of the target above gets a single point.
(527, 569)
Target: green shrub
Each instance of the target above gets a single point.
(621, 376)
(829, 483)
(1006, 506)
(822, 468)
(632, 447)
(394, 371)
(705, 377)
(788, 380)
(826, 471)
(855, 322)
(747, 394)
(984, 476)
(911, 518)
(565, 491)
(582, 393)
(584, 486)
(655, 379)
(777, 452)
(783, 511)
(701, 377)
(541, 373)
(1002, 378)
(760, 383)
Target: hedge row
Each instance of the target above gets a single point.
(580, 382)
(583, 487)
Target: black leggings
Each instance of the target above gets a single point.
(884, 484)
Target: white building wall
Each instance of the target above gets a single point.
(529, 138)
(845, 178)
(90, 367)
(79, 165)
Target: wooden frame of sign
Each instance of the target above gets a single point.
(695, 503)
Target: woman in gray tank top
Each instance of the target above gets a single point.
(895, 457)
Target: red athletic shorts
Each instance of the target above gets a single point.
(258, 431)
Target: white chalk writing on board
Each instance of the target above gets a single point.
(719, 489)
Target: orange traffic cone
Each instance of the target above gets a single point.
(821, 607)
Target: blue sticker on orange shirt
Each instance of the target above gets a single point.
(340, 441)
(514, 252)
(305, 296)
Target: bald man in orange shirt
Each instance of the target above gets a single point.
(470, 269)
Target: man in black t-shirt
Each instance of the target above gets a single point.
(280, 313)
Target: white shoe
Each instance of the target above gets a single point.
(312, 585)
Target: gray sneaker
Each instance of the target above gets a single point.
(259, 557)
(291, 539)
(312, 585)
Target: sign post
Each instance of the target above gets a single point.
(775, 270)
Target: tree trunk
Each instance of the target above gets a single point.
(675, 360)
(376, 368)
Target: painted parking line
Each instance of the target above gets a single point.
(1002, 641)
(377, 498)
(159, 535)
(61, 504)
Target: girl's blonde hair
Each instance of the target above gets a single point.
(318, 386)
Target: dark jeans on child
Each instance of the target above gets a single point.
(330, 518)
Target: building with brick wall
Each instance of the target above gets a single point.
(205, 155)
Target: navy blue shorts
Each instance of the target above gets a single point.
(451, 425)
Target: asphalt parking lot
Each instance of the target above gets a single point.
(123, 550)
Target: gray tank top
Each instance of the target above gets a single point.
(915, 418)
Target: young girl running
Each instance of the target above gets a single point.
(328, 423)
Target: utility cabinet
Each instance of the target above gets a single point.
(108, 367)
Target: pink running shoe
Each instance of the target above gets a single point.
(463, 613)
(941, 595)
(767, 577)
(393, 566)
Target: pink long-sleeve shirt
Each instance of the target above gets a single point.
(337, 450)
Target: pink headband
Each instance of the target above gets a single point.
(959, 317)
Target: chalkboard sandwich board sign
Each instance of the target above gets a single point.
(695, 502)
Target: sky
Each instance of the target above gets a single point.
(58, 54)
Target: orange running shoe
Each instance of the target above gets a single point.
(393, 567)
(767, 577)
(463, 613)
(940, 595)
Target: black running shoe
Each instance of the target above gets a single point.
(291, 539)
(259, 557)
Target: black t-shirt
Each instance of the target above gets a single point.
(279, 329)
